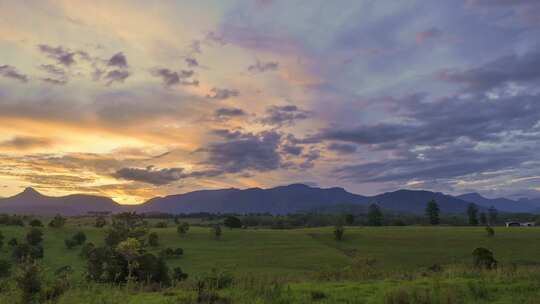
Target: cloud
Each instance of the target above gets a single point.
(25, 142)
(284, 115)
(191, 62)
(293, 150)
(222, 94)
(11, 72)
(151, 175)
(118, 60)
(172, 78)
(510, 68)
(429, 34)
(262, 67)
(116, 76)
(58, 75)
(229, 112)
(342, 148)
(245, 151)
(62, 56)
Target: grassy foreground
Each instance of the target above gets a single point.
(371, 265)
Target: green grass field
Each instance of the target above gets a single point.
(300, 257)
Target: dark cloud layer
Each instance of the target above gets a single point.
(222, 94)
(229, 112)
(172, 78)
(61, 55)
(262, 67)
(11, 72)
(25, 142)
(284, 115)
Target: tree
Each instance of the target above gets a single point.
(232, 222)
(57, 222)
(129, 249)
(472, 212)
(182, 228)
(179, 275)
(338, 232)
(153, 239)
(29, 281)
(483, 218)
(34, 236)
(70, 243)
(1, 240)
(100, 222)
(483, 259)
(492, 215)
(35, 223)
(349, 219)
(13, 242)
(23, 252)
(432, 212)
(216, 231)
(374, 215)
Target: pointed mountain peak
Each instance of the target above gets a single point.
(30, 192)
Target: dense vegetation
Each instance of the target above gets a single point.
(255, 259)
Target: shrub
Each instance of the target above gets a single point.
(216, 231)
(100, 222)
(57, 222)
(179, 275)
(161, 225)
(490, 232)
(483, 259)
(70, 243)
(35, 223)
(338, 232)
(5, 268)
(34, 236)
(317, 295)
(171, 253)
(23, 252)
(29, 281)
(79, 238)
(182, 228)
(153, 239)
(13, 242)
(232, 222)
(86, 249)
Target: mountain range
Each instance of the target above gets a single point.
(279, 200)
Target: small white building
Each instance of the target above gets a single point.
(518, 224)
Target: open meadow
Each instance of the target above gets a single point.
(411, 264)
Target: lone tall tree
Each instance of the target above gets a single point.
(472, 213)
(432, 212)
(374, 215)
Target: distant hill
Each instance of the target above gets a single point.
(414, 201)
(501, 203)
(279, 200)
(32, 202)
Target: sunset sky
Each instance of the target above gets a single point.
(136, 99)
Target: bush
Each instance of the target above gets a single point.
(232, 222)
(57, 222)
(182, 228)
(216, 231)
(161, 225)
(483, 259)
(86, 249)
(338, 232)
(29, 281)
(34, 236)
(13, 242)
(79, 238)
(171, 253)
(100, 222)
(23, 252)
(70, 243)
(179, 275)
(153, 239)
(35, 223)
(490, 232)
(317, 295)
(5, 268)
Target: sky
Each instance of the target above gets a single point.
(137, 99)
